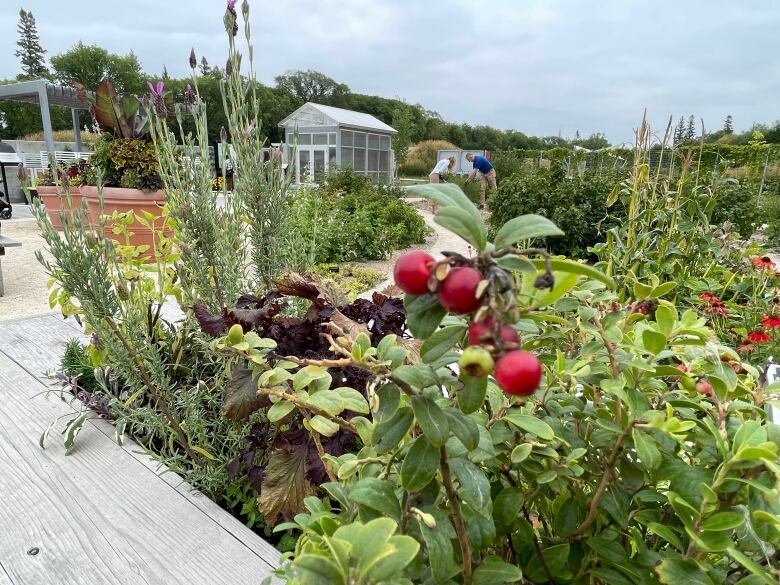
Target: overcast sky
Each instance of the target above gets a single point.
(541, 67)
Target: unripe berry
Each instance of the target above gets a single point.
(235, 335)
(476, 361)
(412, 271)
(482, 333)
(458, 292)
(518, 372)
(704, 387)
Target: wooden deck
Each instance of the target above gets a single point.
(105, 514)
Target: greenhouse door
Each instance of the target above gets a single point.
(312, 162)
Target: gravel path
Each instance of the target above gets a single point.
(26, 293)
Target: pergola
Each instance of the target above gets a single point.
(46, 94)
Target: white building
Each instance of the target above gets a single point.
(329, 136)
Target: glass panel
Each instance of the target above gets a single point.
(319, 163)
(384, 160)
(360, 160)
(384, 142)
(346, 137)
(373, 141)
(304, 138)
(332, 155)
(360, 139)
(346, 156)
(373, 160)
(303, 160)
(320, 138)
(332, 139)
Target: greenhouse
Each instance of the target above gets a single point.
(329, 137)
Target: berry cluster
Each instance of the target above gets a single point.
(494, 347)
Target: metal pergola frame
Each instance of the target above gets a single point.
(46, 94)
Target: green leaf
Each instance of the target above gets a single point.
(525, 227)
(678, 572)
(647, 449)
(666, 317)
(418, 376)
(521, 452)
(307, 375)
(377, 495)
(319, 570)
(506, 508)
(420, 465)
(324, 426)
(402, 550)
(280, 410)
(561, 265)
(723, 521)
(72, 429)
(447, 195)
(388, 433)
(563, 284)
(518, 263)
(423, 314)
(352, 399)
(326, 400)
(610, 576)
(472, 395)
(530, 424)
(431, 419)
(438, 344)
(494, 570)
(463, 224)
(654, 341)
(438, 541)
(464, 427)
(555, 558)
(666, 533)
(663, 289)
(751, 566)
(474, 485)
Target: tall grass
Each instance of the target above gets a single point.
(422, 157)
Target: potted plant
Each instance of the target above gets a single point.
(123, 174)
(54, 187)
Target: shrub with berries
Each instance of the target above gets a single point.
(535, 430)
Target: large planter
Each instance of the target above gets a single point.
(55, 200)
(123, 200)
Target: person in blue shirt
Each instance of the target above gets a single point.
(488, 177)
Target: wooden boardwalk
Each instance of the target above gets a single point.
(105, 514)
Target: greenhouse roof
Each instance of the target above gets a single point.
(307, 114)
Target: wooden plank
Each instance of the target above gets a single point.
(38, 343)
(100, 516)
(5, 578)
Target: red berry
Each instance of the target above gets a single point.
(518, 372)
(412, 271)
(481, 333)
(704, 387)
(458, 292)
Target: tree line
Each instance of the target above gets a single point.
(89, 64)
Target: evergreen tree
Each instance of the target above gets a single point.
(165, 76)
(679, 132)
(30, 51)
(728, 125)
(204, 66)
(690, 129)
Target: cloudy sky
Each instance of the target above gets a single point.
(539, 66)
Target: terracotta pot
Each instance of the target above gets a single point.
(54, 199)
(123, 200)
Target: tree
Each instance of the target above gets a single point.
(30, 51)
(90, 64)
(204, 66)
(690, 129)
(403, 122)
(311, 86)
(679, 131)
(728, 125)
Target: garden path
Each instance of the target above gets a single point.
(106, 514)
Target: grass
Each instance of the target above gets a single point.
(63, 136)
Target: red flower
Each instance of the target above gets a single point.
(764, 262)
(717, 309)
(757, 337)
(709, 297)
(746, 348)
(770, 321)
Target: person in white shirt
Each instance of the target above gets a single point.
(445, 165)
